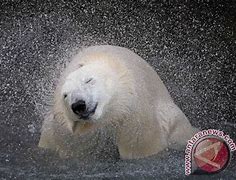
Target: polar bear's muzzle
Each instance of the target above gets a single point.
(83, 110)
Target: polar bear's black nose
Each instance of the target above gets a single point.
(79, 107)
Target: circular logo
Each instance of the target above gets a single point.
(211, 155)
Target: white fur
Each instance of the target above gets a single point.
(134, 106)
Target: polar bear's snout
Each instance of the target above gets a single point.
(79, 107)
(83, 110)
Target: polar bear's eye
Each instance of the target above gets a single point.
(89, 80)
(64, 96)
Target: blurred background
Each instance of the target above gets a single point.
(191, 44)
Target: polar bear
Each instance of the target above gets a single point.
(109, 98)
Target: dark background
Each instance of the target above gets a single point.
(191, 44)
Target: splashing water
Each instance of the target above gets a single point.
(189, 44)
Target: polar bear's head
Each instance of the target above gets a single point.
(87, 91)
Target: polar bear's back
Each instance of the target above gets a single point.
(145, 77)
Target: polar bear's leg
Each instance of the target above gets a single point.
(181, 131)
(47, 134)
(52, 138)
(140, 136)
(176, 125)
